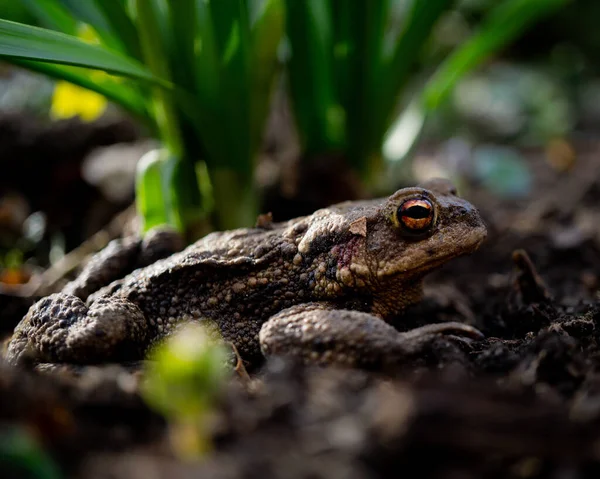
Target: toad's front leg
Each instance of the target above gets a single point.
(62, 328)
(319, 334)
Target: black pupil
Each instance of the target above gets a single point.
(417, 212)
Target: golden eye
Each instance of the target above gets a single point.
(416, 215)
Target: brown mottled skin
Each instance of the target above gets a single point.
(318, 287)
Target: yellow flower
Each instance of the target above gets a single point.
(70, 100)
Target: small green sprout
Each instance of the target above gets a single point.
(184, 377)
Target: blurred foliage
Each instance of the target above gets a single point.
(575, 27)
(16, 11)
(501, 170)
(185, 375)
(199, 73)
(511, 102)
(22, 456)
(351, 63)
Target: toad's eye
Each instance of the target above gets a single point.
(416, 215)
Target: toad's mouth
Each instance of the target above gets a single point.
(468, 248)
(425, 264)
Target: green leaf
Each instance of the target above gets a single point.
(418, 27)
(503, 24)
(52, 15)
(149, 17)
(121, 25)
(208, 86)
(184, 192)
(24, 42)
(223, 78)
(88, 12)
(311, 76)
(360, 29)
(120, 92)
(167, 191)
(182, 17)
(394, 64)
(153, 191)
(267, 33)
(231, 29)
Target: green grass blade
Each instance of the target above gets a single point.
(184, 192)
(88, 12)
(222, 74)
(182, 23)
(360, 28)
(24, 42)
(311, 79)
(183, 19)
(149, 18)
(121, 25)
(505, 22)
(152, 190)
(52, 15)
(344, 27)
(17, 12)
(207, 63)
(208, 117)
(119, 92)
(418, 26)
(224, 77)
(231, 28)
(167, 191)
(267, 33)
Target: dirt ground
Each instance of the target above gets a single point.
(523, 403)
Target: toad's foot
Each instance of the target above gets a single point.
(319, 334)
(62, 328)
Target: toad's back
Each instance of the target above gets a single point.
(236, 278)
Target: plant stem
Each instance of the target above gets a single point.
(156, 60)
(182, 191)
(236, 199)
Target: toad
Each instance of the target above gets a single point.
(321, 287)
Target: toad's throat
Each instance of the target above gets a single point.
(395, 297)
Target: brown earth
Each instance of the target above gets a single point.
(524, 402)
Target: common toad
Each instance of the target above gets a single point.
(319, 287)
